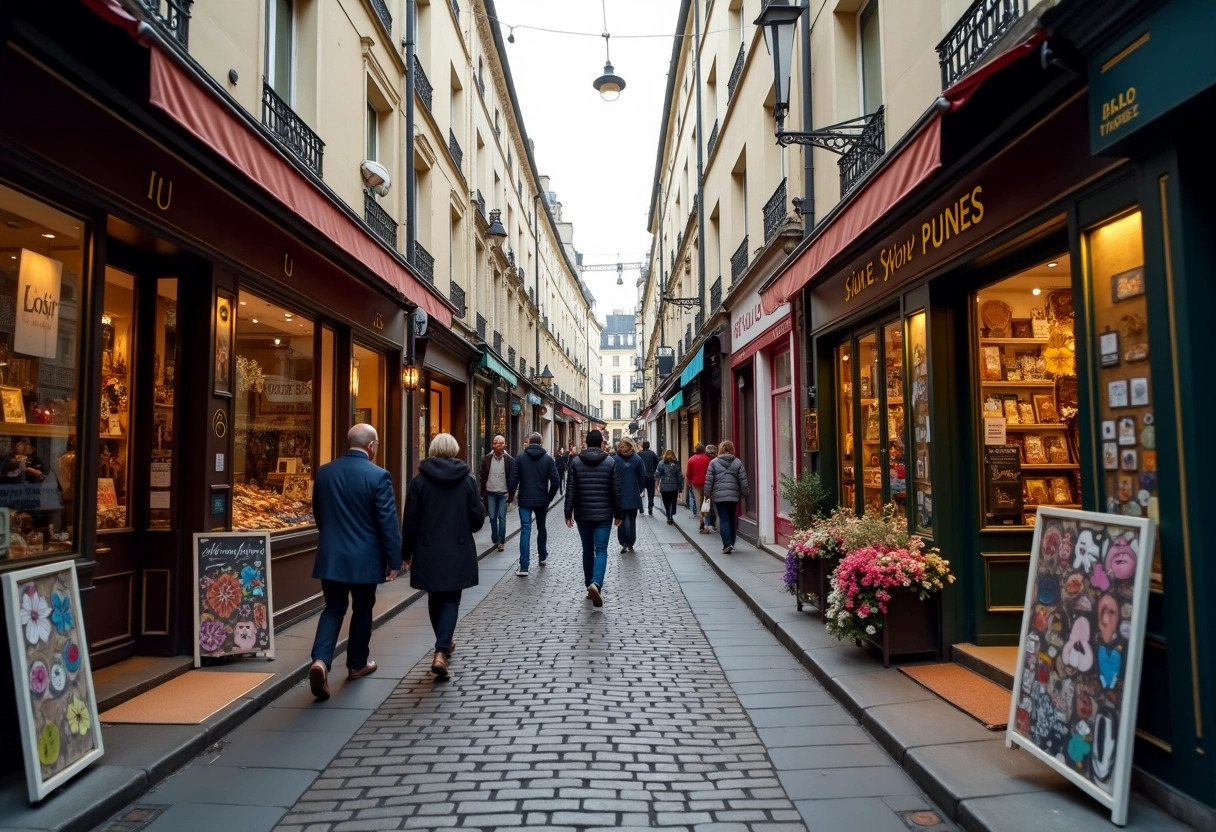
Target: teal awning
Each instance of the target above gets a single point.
(675, 402)
(497, 367)
(695, 366)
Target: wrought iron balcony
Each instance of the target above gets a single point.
(456, 296)
(532, 296)
(422, 84)
(382, 13)
(510, 356)
(481, 326)
(738, 262)
(715, 293)
(171, 15)
(481, 85)
(480, 202)
(713, 139)
(424, 263)
(379, 220)
(775, 211)
(736, 73)
(454, 149)
(865, 152)
(698, 322)
(688, 335)
(980, 26)
(523, 367)
(291, 130)
(498, 342)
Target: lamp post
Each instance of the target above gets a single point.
(544, 379)
(496, 232)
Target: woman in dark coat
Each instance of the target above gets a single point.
(670, 479)
(632, 472)
(442, 510)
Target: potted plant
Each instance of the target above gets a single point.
(810, 557)
(804, 566)
(805, 496)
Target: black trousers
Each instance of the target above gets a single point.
(649, 488)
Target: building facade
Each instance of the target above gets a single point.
(618, 374)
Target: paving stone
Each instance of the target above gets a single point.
(847, 782)
(913, 724)
(207, 817)
(233, 786)
(953, 773)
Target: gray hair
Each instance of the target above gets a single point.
(444, 445)
(711, 449)
(535, 439)
(361, 435)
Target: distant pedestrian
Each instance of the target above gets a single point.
(670, 481)
(593, 499)
(495, 471)
(726, 485)
(650, 461)
(442, 511)
(697, 463)
(632, 473)
(359, 546)
(562, 461)
(532, 485)
(709, 516)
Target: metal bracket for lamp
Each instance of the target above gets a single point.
(838, 138)
(685, 303)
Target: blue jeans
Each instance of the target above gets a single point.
(727, 522)
(444, 608)
(627, 532)
(595, 551)
(525, 535)
(363, 598)
(497, 505)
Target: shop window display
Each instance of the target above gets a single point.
(275, 417)
(41, 261)
(918, 464)
(164, 384)
(117, 322)
(1028, 394)
(844, 410)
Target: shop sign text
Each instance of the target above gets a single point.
(39, 280)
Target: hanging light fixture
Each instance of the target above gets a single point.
(409, 377)
(608, 85)
(354, 377)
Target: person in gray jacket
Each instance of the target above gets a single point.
(670, 480)
(726, 485)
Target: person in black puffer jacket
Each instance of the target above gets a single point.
(534, 480)
(593, 499)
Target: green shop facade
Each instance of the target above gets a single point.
(1030, 327)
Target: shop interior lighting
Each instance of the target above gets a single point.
(48, 235)
(1036, 291)
(1052, 264)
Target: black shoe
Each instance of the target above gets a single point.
(670, 522)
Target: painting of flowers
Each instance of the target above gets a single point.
(232, 605)
(56, 704)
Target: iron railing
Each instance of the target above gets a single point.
(481, 326)
(510, 356)
(498, 342)
(291, 130)
(688, 335)
(456, 8)
(523, 366)
(980, 26)
(422, 84)
(698, 322)
(865, 152)
(775, 211)
(456, 296)
(454, 148)
(382, 13)
(424, 263)
(480, 201)
(713, 139)
(532, 296)
(379, 220)
(715, 293)
(736, 73)
(738, 262)
(173, 16)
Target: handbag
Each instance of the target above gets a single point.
(706, 504)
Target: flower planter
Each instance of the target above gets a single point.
(910, 627)
(812, 583)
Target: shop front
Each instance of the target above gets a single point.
(492, 400)
(443, 397)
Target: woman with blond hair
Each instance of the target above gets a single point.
(442, 511)
(726, 485)
(670, 480)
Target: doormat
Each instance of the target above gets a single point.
(187, 699)
(970, 692)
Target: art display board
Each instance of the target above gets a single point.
(56, 704)
(232, 607)
(1077, 679)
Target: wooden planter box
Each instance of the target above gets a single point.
(910, 627)
(813, 583)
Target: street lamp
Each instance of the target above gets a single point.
(496, 231)
(608, 85)
(544, 380)
(409, 378)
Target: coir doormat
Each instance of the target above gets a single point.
(966, 690)
(187, 699)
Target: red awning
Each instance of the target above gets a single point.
(112, 12)
(573, 414)
(919, 160)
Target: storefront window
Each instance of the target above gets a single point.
(41, 261)
(438, 414)
(274, 413)
(872, 417)
(164, 384)
(367, 388)
(783, 419)
(922, 485)
(844, 410)
(113, 470)
(1028, 388)
(897, 468)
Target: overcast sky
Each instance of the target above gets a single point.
(599, 155)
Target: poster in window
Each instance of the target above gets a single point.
(232, 604)
(1077, 679)
(36, 327)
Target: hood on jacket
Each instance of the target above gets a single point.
(534, 451)
(592, 456)
(444, 472)
(727, 459)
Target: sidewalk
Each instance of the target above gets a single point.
(964, 768)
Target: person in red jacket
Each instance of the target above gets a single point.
(698, 463)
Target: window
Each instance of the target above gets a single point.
(633, 410)
(869, 52)
(616, 410)
(373, 133)
(616, 384)
(280, 47)
(616, 361)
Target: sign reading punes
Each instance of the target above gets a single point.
(38, 282)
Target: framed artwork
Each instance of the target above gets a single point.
(1032, 446)
(1074, 707)
(992, 405)
(1021, 328)
(1036, 491)
(1026, 413)
(1139, 392)
(224, 323)
(232, 606)
(363, 416)
(1127, 284)
(297, 487)
(1057, 450)
(1061, 492)
(12, 404)
(1045, 408)
(1116, 393)
(56, 704)
(1108, 347)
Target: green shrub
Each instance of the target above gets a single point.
(808, 496)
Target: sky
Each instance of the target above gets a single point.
(599, 155)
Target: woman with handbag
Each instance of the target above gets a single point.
(726, 485)
(670, 480)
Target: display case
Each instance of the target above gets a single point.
(919, 470)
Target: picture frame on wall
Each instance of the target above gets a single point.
(1127, 284)
(225, 321)
(12, 405)
(56, 702)
(1045, 408)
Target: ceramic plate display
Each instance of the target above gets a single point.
(996, 315)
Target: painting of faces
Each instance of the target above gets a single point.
(1070, 696)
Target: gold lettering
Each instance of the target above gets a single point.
(951, 220)
(977, 205)
(924, 237)
(964, 221)
(289, 265)
(156, 191)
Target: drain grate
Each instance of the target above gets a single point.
(134, 818)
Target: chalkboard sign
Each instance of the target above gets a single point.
(1081, 646)
(1003, 480)
(232, 608)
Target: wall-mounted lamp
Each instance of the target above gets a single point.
(354, 377)
(496, 231)
(106, 320)
(544, 380)
(409, 378)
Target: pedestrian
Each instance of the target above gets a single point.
(632, 473)
(697, 463)
(442, 511)
(593, 499)
(726, 485)
(562, 461)
(650, 461)
(495, 471)
(359, 546)
(532, 485)
(709, 517)
(670, 481)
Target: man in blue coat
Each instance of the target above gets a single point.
(532, 484)
(359, 547)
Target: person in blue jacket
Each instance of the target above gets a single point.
(359, 547)
(532, 485)
(632, 471)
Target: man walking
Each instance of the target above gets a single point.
(532, 485)
(495, 471)
(593, 498)
(695, 475)
(562, 461)
(650, 462)
(359, 547)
